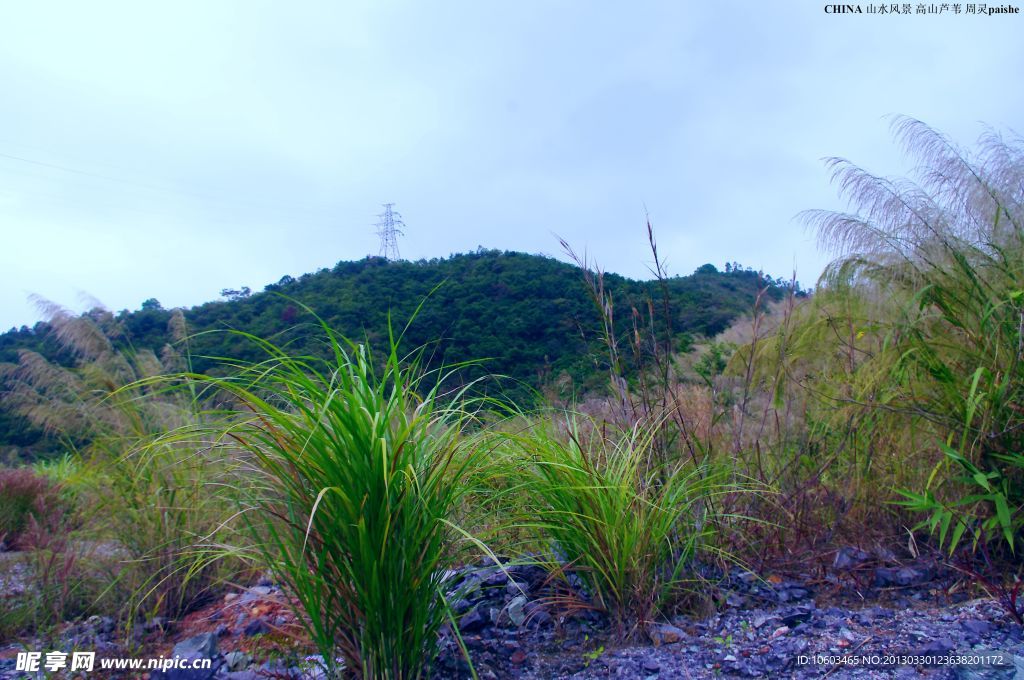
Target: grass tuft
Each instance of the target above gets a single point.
(608, 510)
(360, 476)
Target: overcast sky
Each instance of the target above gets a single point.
(170, 150)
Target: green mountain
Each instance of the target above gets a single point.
(528, 317)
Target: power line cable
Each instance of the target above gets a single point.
(164, 189)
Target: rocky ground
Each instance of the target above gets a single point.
(862, 618)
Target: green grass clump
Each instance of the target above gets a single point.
(628, 525)
(359, 478)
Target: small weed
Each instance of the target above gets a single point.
(592, 656)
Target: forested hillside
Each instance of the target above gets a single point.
(530, 318)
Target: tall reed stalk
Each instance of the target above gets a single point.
(947, 254)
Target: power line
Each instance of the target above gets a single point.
(291, 208)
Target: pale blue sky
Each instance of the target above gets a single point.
(172, 150)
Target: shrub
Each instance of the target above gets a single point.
(24, 496)
(62, 580)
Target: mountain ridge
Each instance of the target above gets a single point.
(528, 317)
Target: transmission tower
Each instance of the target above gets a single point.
(388, 230)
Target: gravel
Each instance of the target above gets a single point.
(861, 613)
